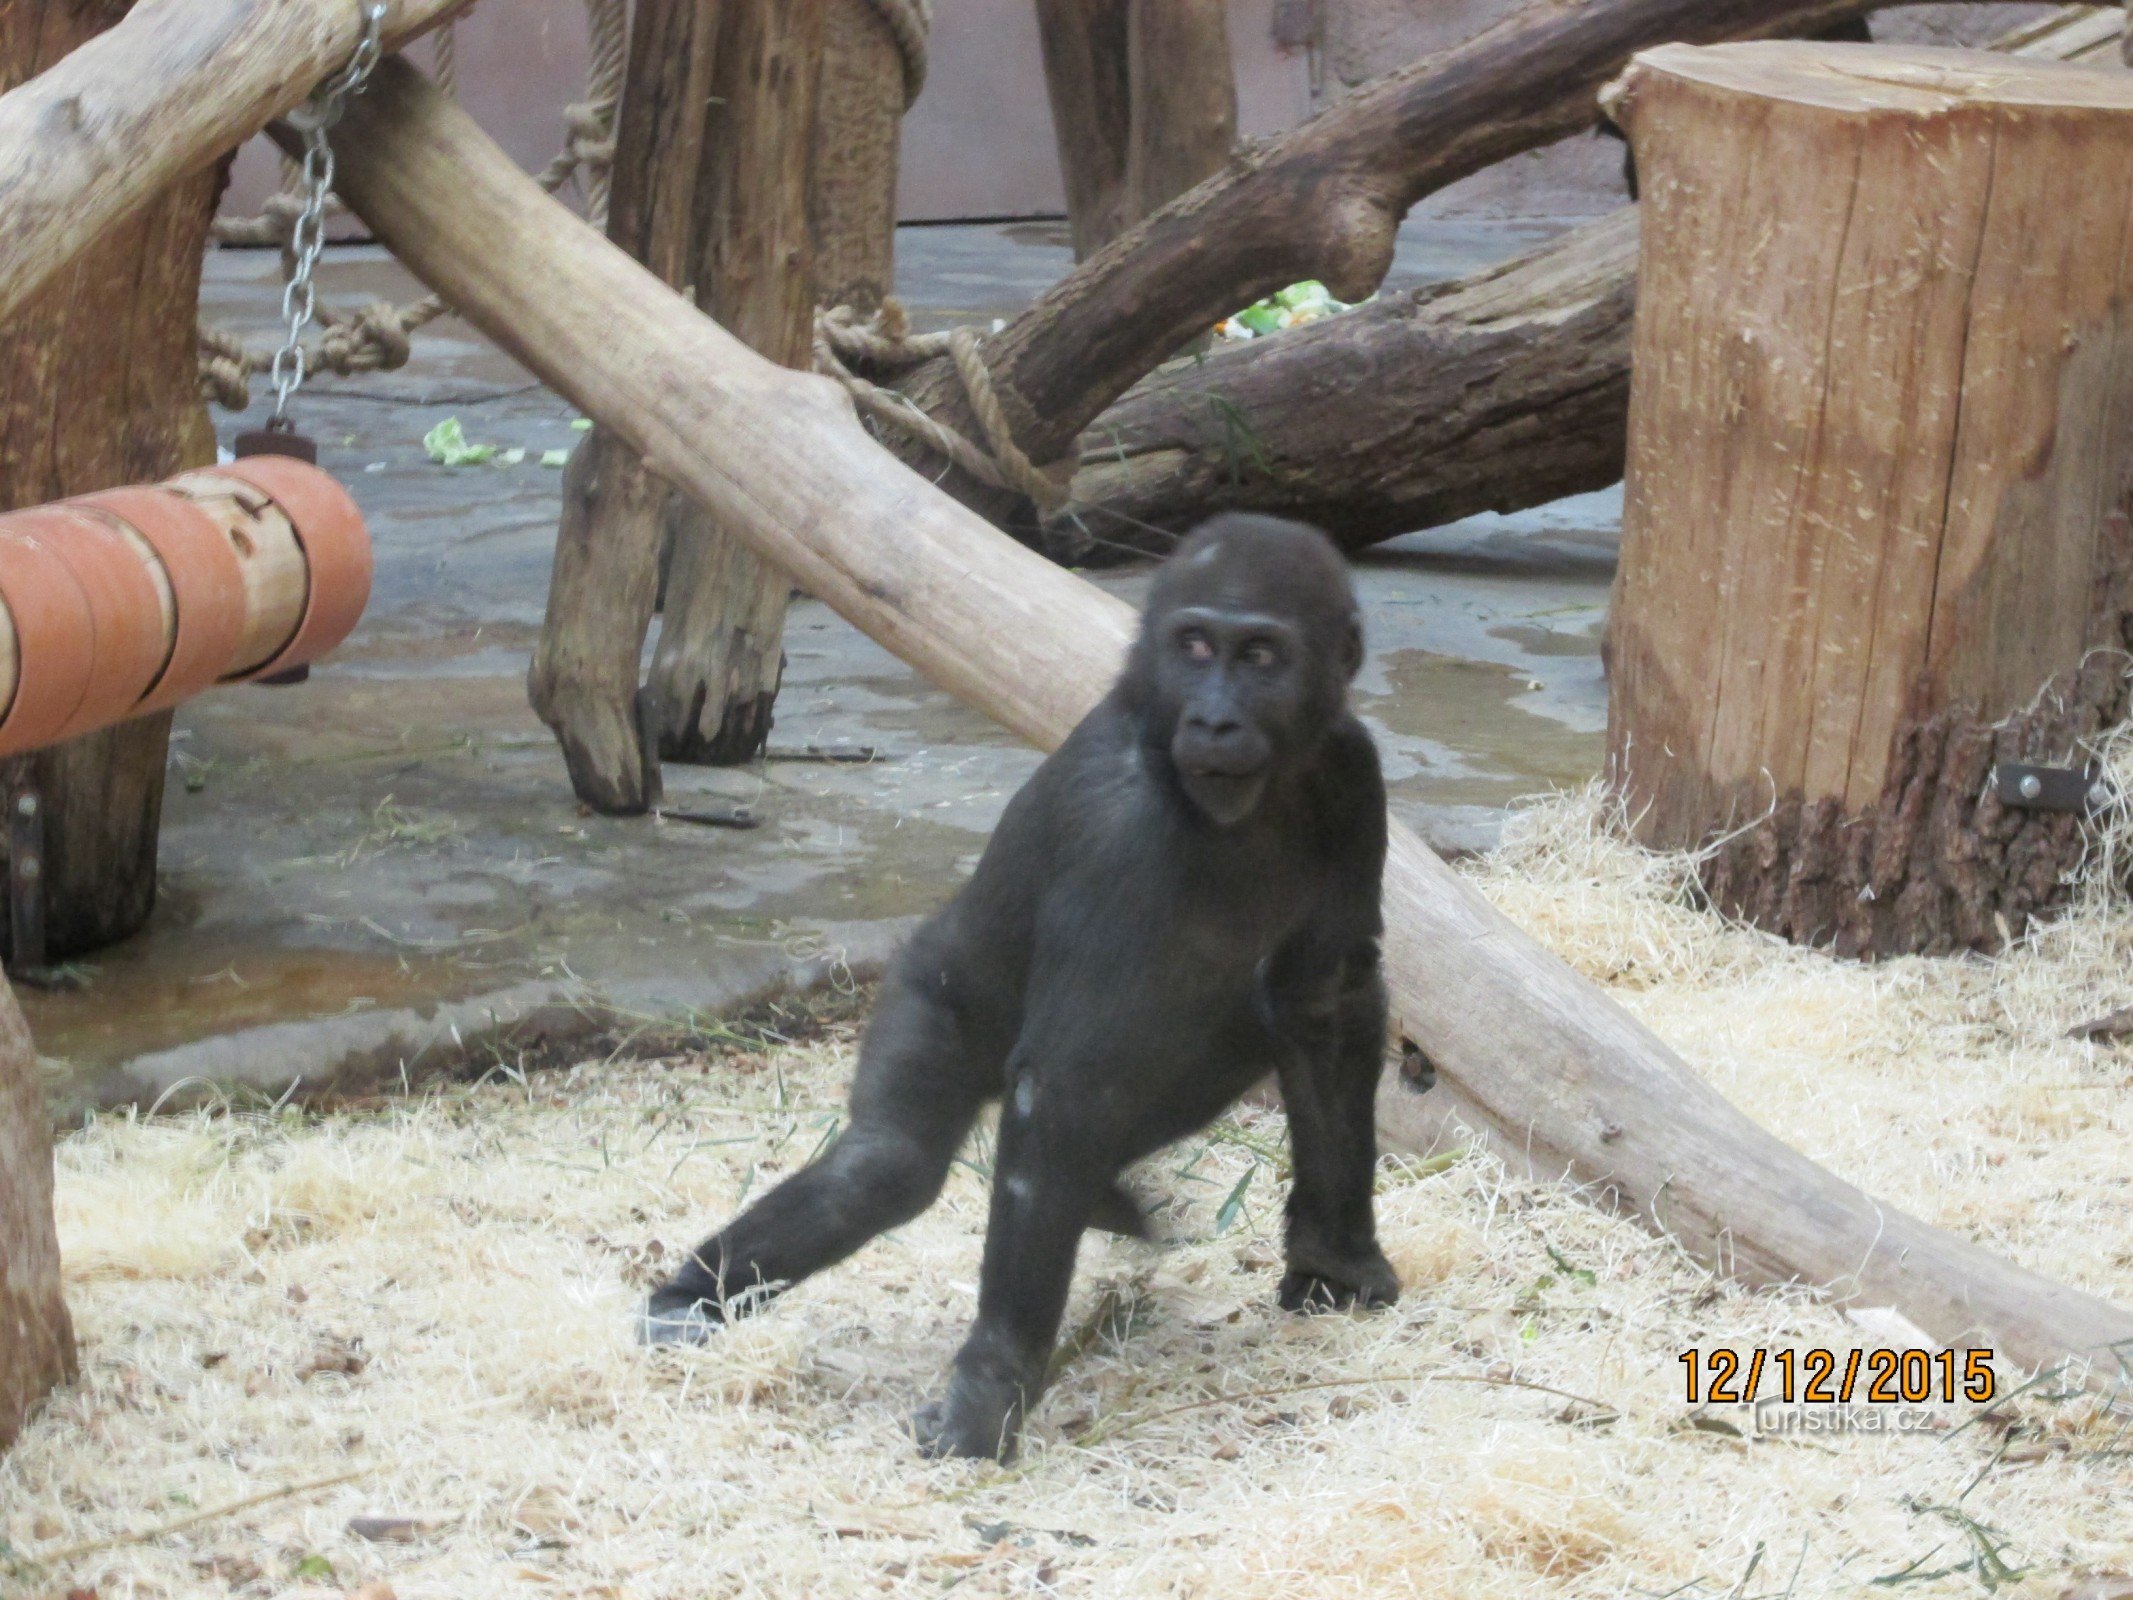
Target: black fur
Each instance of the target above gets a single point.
(1183, 898)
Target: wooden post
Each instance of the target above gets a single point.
(1875, 541)
(605, 585)
(1144, 105)
(98, 387)
(721, 651)
(36, 1335)
(858, 135)
(710, 191)
(1565, 1080)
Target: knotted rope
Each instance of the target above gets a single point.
(376, 338)
(842, 337)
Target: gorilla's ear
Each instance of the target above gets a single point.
(1351, 651)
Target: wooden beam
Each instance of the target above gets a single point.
(115, 123)
(1524, 1047)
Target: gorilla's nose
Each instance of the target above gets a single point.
(1219, 744)
(1215, 728)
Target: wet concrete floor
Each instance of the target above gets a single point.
(388, 856)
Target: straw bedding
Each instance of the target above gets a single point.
(420, 1313)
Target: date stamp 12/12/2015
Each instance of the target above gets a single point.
(1825, 1377)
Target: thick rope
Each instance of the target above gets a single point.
(375, 338)
(842, 337)
(910, 21)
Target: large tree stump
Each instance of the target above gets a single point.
(721, 650)
(1875, 539)
(98, 386)
(36, 1336)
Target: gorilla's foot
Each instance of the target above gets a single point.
(1368, 1283)
(677, 1316)
(979, 1417)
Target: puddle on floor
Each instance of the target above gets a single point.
(1455, 732)
(155, 993)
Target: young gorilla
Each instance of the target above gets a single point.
(1183, 898)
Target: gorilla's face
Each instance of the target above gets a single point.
(1249, 642)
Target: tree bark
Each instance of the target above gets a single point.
(1144, 105)
(1564, 1079)
(583, 680)
(1085, 79)
(711, 191)
(98, 387)
(1875, 533)
(174, 86)
(36, 1334)
(858, 132)
(1322, 201)
(1497, 391)
(721, 652)
(1183, 94)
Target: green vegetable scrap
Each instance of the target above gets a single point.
(1299, 303)
(448, 447)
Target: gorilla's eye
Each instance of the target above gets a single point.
(1260, 653)
(1195, 645)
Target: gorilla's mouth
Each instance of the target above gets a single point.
(1226, 797)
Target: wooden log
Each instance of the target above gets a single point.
(1321, 201)
(721, 652)
(174, 86)
(98, 380)
(36, 1334)
(1498, 391)
(712, 189)
(1524, 1047)
(1875, 537)
(1084, 45)
(858, 135)
(1501, 390)
(1144, 105)
(605, 584)
(1182, 94)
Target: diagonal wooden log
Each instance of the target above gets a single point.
(1501, 390)
(160, 95)
(1321, 201)
(1524, 1047)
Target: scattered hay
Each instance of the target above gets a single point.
(435, 1297)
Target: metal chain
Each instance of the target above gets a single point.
(313, 119)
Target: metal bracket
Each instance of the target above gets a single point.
(2069, 789)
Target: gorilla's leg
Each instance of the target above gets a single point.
(1118, 1212)
(1046, 1186)
(1329, 1081)
(914, 1097)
